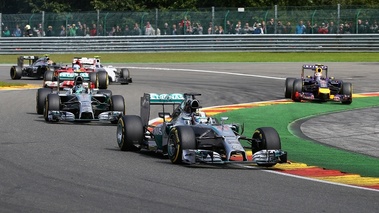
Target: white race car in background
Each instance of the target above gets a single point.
(116, 75)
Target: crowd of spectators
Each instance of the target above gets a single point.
(186, 27)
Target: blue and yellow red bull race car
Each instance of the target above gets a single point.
(187, 135)
(318, 86)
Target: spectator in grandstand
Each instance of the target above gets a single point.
(270, 28)
(17, 31)
(247, 29)
(332, 29)
(28, 31)
(112, 32)
(229, 27)
(85, 30)
(279, 28)
(258, 29)
(149, 30)
(80, 30)
(238, 28)
(63, 31)
(127, 31)
(136, 29)
(323, 29)
(71, 30)
(347, 29)
(6, 32)
(39, 32)
(166, 29)
(50, 31)
(309, 28)
(93, 31)
(174, 30)
(264, 27)
(100, 30)
(288, 28)
(118, 31)
(300, 28)
(220, 30)
(374, 27)
(361, 27)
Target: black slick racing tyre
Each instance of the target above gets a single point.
(103, 80)
(179, 139)
(347, 89)
(40, 99)
(48, 76)
(15, 72)
(52, 103)
(125, 74)
(117, 104)
(288, 87)
(297, 88)
(93, 79)
(266, 138)
(130, 132)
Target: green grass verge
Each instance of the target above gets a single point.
(8, 84)
(185, 57)
(307, 151)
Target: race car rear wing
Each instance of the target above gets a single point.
(158, 99)
(314, 67)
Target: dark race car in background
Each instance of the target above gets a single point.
(188, 136)
(318, 86)
(35, 67)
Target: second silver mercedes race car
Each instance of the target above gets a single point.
(187, 135)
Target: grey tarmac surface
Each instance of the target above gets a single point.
(78, 167)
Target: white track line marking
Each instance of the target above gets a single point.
(207, 71)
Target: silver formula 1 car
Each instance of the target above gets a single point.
(80, 103)
(188, 136)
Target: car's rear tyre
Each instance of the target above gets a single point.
(40, 99)
(103, 80)
(117, 104)
(15, 72)
(179, 139)
(48, 76)
(41, 71)
(52, 104)
(297, 88)
(93, 79)
(130, 132)
(125, 74)
(347, 89)
(266, 138)
(288, 87)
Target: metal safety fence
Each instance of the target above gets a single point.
(250, 43)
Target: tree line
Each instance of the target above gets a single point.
(58, 6)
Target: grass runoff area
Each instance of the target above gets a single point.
(299, 150)
(308, 151)
(198, 57)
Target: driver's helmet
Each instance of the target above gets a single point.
(318, 73)
(76, 67)
(78, 80)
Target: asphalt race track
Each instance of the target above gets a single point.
(78, 167)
